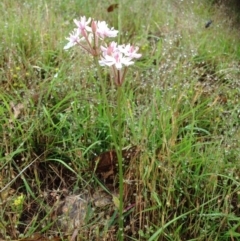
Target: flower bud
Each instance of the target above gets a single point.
(94, 26)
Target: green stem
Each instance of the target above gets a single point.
(120, 161)
(117, 139)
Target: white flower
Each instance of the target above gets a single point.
(113, 47)
(83, 25)
(104, 31)
(73, 39)
(130, 51)
(116, 59)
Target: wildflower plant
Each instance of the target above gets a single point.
(17, 206)
(18, 203)
(91, 36)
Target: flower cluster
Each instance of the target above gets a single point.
(90, 35)
(118, 56)
(19, 200)
(17, 204)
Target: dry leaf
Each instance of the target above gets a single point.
(106, 163)
(101, 198)
(112, 7)
(17, 109)
(116, 201)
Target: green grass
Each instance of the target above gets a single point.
(180, 108)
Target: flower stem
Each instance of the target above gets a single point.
(117, 139)
(120, 160)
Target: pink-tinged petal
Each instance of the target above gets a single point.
(73, 39)
(104, 31)
(68, 45)
(127, 61)
(107, 61)
(118, 65)
(83, 25)
(117, 59)
(104, 50)
(109, 50)
(130, 51)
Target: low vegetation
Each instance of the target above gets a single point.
(177, 124)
